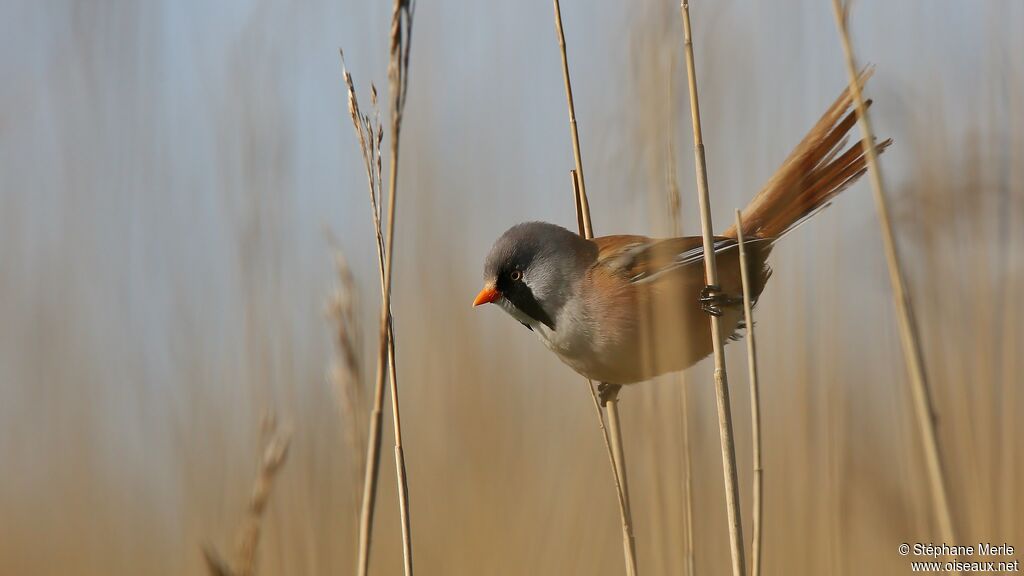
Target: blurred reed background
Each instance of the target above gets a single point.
(169, 172)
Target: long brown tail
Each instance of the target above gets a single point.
(813, 174)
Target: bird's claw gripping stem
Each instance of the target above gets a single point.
(608, 392)
(712, 299)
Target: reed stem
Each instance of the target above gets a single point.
(911, 342)
(732, 497)
(612, 439)
(398, 67)
(755, 406)
(370, 135)
(587, 231)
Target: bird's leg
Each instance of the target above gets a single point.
(608, 392)
(712, 299)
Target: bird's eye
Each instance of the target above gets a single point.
(516, 275)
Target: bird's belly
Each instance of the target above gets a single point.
(574, 347)
(649, 349)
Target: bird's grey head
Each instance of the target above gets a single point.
(532, 270)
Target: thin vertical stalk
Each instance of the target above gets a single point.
(612, 439)
(624, 515)
(755, 406)
(689, 552)
(732, 496)
(619, 460)
(372, 470)
(913, 355)
(587, 231)
(370, 134)
(400, 36)
(398, 67)
(628, 542)
(584, 205)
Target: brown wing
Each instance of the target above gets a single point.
(649, 289)
(643, 259)
(675, 264)
(642, 287)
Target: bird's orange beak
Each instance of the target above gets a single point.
(487, 295)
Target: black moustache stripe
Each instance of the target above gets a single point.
(523, 299)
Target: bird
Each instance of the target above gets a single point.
(623, 309)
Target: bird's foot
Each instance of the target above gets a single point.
(608, 392)
(712, 299)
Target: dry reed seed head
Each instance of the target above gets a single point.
(214, 563)
(345, 301)
(398, 64)
(275, 453)
(353, 104)
(340, 376)
(342, 301)
(344, 372)
(341, 263)
(273, 457)
(338, 309)
(847, 5)
(332, 310)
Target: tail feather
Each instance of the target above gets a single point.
(814, 173)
